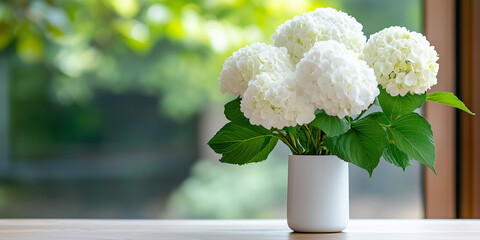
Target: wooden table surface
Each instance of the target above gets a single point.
(54, 229)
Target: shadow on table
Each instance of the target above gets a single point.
(316, 236)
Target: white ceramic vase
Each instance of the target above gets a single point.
(317, 193)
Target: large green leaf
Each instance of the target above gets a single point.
(380, 117)
(449, 99)
(362, 145)
(331, 125)
(234, 114)
(413, 135)
(398, 105)
(240, 144)
(396, 157)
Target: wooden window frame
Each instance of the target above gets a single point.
(469, 89)
(453, 27)
(440, 190)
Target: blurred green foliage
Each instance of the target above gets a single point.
(219, 191)
(171, 49)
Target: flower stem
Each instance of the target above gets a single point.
(286, 141)
(319, 141)
(307, 145)
(311, 136)
(349, 119)
(294, 142)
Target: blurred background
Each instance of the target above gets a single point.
(106, 107)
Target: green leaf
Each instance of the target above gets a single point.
(362, 145)
(380, 117)
(396, 157)
(331, 125)
(398, 105)
(239, 142)
(413, 135)
(234, 114)
(449, 99)
(243, 144)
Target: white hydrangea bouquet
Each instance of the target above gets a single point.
(312, 88)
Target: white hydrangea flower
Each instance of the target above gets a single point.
(299, 34)
(248, 62)
(271, 100)
(336, 80)
(404, 62)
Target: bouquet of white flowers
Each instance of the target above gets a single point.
(311, 90)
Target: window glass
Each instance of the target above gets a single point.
(106, 108)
